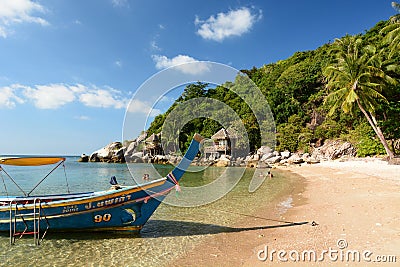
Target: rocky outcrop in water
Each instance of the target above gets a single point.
(83, 158)
(112, 153)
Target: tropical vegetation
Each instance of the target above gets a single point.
(347, 89)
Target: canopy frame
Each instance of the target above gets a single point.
(30, 162)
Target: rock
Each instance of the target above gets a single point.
(118, 156)
(239, 161)
(284, 161)
(145, 158)
(266, 156)
(262, 165)
(248, 158)
(132, 148)
(273, 160)
(295, 159)
(394, 161)
(222, 162)
(312, 160)
(113, 152)
(94, 158)
(252, 161)
(160, 159)
(276, 153)
(333, 149)
(285, 154)
(83, 158)
(255, 157)
(225, 157)
(135, 157)
(264, 150)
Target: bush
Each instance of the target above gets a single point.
(365, 140)
(288, 134)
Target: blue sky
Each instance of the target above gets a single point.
(68, 68)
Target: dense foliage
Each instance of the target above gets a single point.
(296, 90)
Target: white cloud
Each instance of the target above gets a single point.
(154, 46)
(137, 106)
(19, 11)
(53, 96)
(180, 61)
(103, 98)
(82, 118)
(120, 3)
(225, 25)
(50, 96)
(118, 63)
(78, 88)
(9, 98)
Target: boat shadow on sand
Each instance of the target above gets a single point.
(167, 228)
(164, 228)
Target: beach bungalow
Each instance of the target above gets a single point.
(222, 144)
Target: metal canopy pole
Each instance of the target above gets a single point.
(1, 169)
(44, 178)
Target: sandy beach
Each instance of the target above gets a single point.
(347, 213)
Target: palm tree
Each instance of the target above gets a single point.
(357, 80)
(392, 31)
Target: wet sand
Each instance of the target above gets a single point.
(347, 207)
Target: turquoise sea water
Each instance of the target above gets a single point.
(170, 232)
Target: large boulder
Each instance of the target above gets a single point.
(295, 159)
(222, 162)
(135, 157)
(110, 153)
(286, 154)
(133, 146)
(83, 158)
(274, 159)
(334, 149)
(266, 156)
(264, 150)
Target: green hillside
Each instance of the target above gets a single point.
(297, 92)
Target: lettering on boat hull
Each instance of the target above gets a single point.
(108, 202)
(72, 208)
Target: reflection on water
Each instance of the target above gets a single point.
(169, 233)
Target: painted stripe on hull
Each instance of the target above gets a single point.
(63, 203)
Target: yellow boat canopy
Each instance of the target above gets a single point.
(33, 161)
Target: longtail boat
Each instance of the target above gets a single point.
(119, 208)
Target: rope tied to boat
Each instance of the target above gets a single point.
(172, 178)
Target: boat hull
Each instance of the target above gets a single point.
(119, 209)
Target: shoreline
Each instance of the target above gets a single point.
(356, 202)
(224, 249)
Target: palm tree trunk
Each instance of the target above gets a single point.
(377, 130)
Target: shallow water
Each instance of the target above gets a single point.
(170, 232)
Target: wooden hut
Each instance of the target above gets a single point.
(222, 144)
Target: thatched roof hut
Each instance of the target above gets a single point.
(223, 135)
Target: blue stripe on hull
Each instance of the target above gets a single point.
(128, 208)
